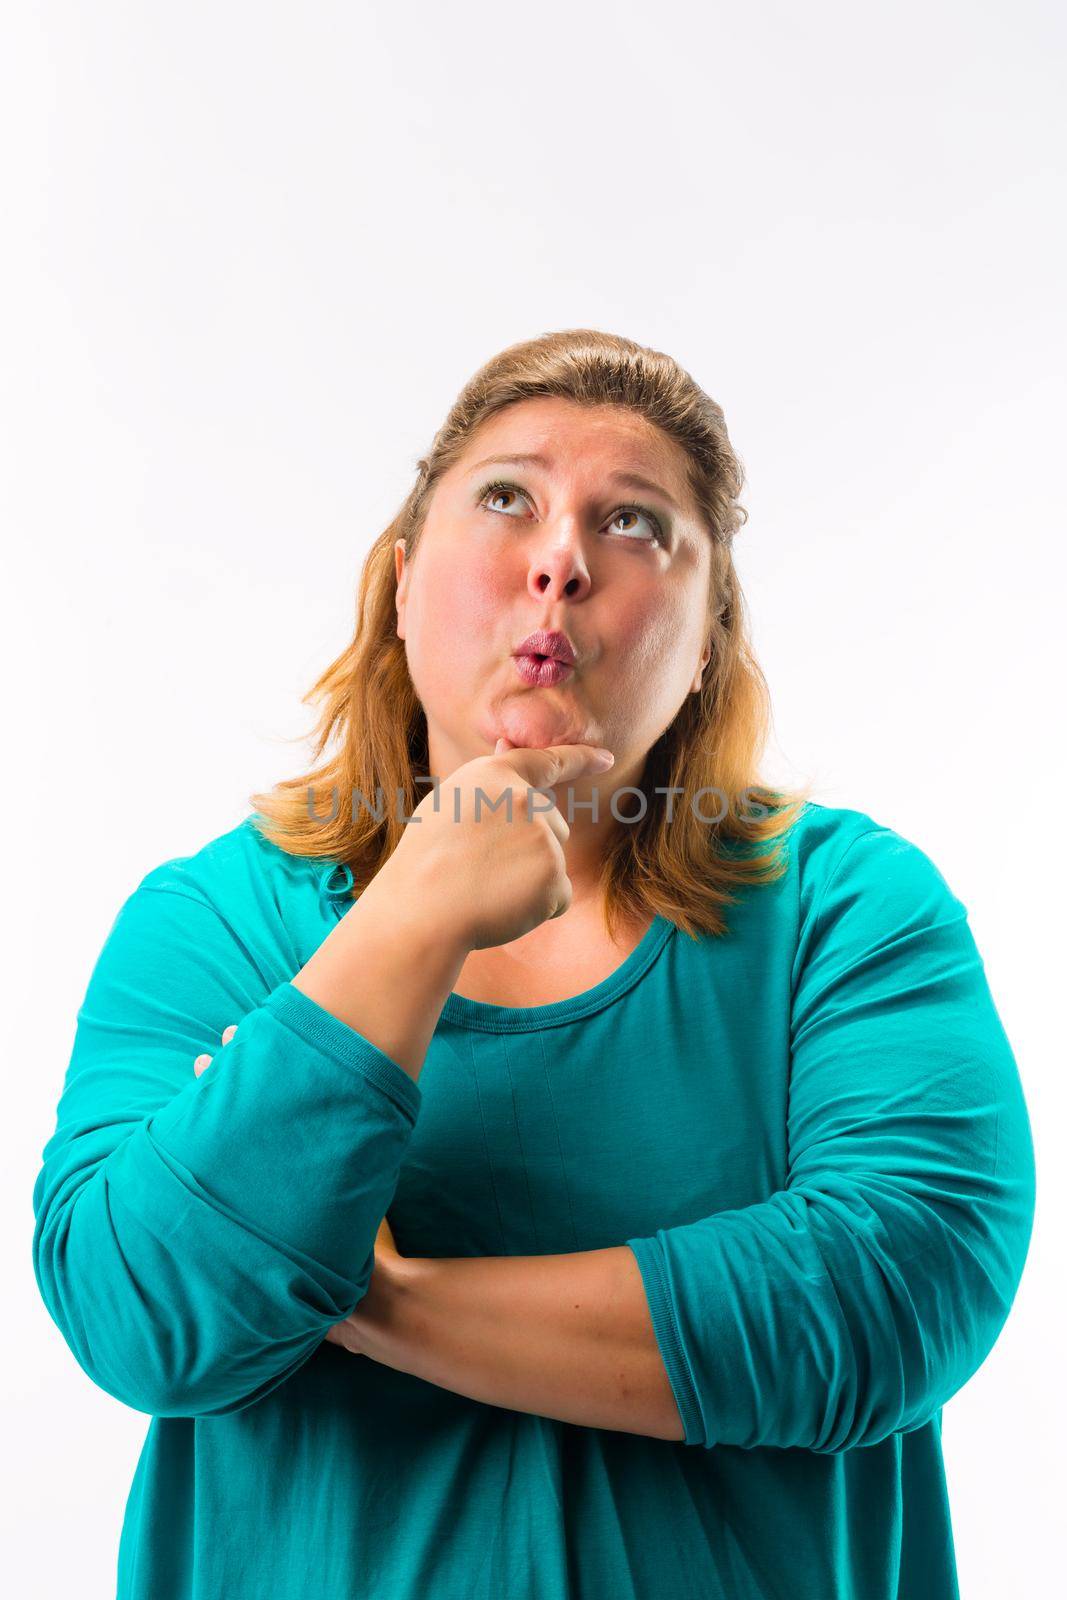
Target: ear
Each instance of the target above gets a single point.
(698, 676)
(399, 554)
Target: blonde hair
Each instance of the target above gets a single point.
(683, 868)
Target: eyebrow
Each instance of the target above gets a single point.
(632, 479)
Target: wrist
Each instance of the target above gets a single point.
(415, 912)
(385, 1321)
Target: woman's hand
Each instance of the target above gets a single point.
(202, 1063)
(386, 1255)
(385, 1251)
(483, 861)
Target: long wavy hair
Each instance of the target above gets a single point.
(683, 862)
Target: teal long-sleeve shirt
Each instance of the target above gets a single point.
(811, 1133)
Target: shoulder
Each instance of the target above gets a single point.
(240, 871)
(241, 896)
(863, 886)
(831, 842)
(844, 860)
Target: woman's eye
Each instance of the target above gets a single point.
(634, 511)
(493, 491)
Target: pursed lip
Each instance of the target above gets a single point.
(555, 645)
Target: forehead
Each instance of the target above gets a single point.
(571, 435)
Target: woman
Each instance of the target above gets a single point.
(707, 1166)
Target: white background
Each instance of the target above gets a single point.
(250, 255)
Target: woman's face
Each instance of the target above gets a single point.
(568, 545)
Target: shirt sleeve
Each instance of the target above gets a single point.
(196, 1237)
(852, 1303)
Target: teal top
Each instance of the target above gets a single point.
(811, 1133)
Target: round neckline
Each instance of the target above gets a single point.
(491, 1018)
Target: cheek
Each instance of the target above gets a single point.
(644, 634)
(651, 664)
(458, 614)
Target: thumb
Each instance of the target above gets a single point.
(503, 745)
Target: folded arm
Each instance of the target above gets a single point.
(564, 1336)
(196, 1235)
(851, 1303)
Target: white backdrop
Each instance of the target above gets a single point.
(250, 254)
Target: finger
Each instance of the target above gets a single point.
(554, 817)
(201, 1064)
(339, 1333)
(229, 1032)
(557, 763)
(557, 822)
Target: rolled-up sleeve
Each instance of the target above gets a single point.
(852, 1303)
(196, 1237)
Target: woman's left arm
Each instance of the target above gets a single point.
(849, 1305)
(563, 1336)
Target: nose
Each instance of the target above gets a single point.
(558, 568)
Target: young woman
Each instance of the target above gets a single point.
(707, 1166)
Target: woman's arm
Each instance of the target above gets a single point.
(851, 1303)
(564, 1336)
(387, 969)
(194, 1235)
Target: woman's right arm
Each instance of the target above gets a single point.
(195, 1238)
(387, 974)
